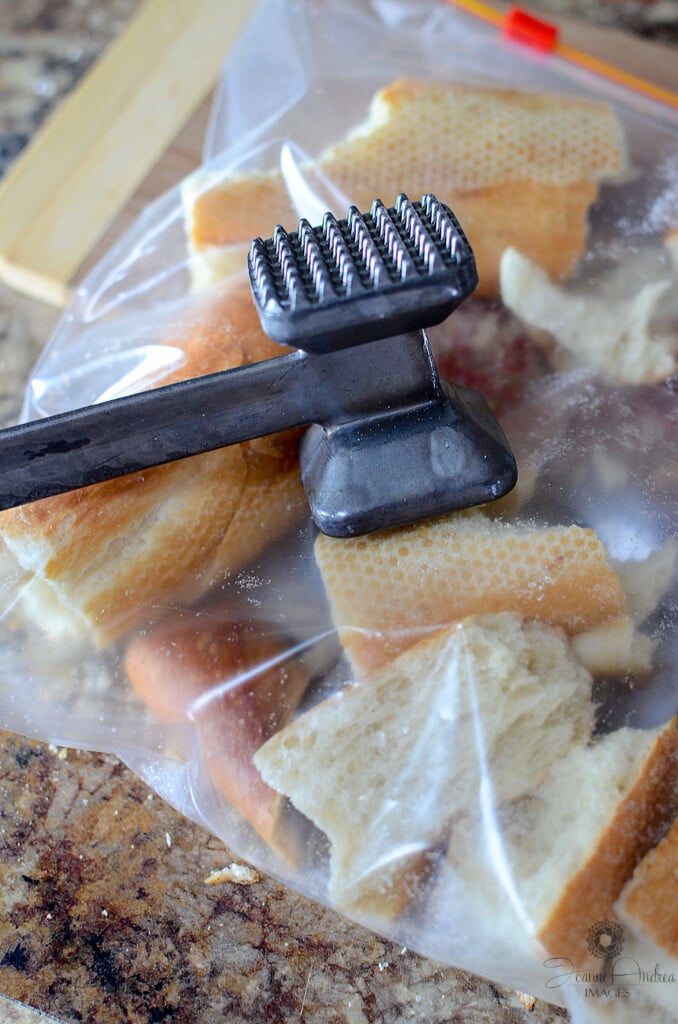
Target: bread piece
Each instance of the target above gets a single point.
(571, 843)
(614, 649)
(107, 556)
(388, 589)
(273, 500)
(648, 905)
(647, 580)
(239, 685)
(518, 168)
(648, 912)
(383, 766)
(614, 338)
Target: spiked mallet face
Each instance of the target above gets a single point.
(389, 442)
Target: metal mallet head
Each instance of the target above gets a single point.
(389, 442)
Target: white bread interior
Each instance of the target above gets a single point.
(518, 168)
(614, 338)
(556, 859)
(383, 766)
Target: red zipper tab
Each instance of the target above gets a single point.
(526, 28)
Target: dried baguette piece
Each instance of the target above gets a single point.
(105, 557)
(518, 168)
(388, 589)
(648, 911)
(383, 766)
(571, 842)
(648, 906)
(238, 685)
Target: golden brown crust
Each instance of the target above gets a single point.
(388, 589)
(553, 233)
(238, 687)
(115, 550)
(273, 500)
(650, 900)
(636, 825)
(518, 168)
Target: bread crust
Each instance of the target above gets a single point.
(120, 551)
(649, 903)
(638, 821)
(518, 168)
(388, 589)
(239, 687)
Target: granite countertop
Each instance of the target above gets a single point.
(105, 915)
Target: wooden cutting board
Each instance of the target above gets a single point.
(116, 142)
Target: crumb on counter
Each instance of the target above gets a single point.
(528, 1001)
(239, 874)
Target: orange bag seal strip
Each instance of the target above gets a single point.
(524, 27)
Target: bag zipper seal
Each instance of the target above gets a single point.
(522, 26)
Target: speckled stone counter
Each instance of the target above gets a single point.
(105, 915)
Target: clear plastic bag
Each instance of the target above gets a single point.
(473, 701)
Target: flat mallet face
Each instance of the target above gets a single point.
(390, 443)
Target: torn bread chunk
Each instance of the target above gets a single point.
(386, 590)
(614, 648)
(383, 766)
(614, 338)
(648, 906)
(239, 685)
(106, 557)
(553, 862)
(517, 168)
(646, 581)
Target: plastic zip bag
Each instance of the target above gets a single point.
(441, 702)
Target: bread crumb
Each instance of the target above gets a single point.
(239, 874)
(528, 1001)
(60, 752)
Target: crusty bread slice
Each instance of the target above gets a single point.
(648, 905)
(238, 686)
(387, 589)
(383, 766)
(518, 168)
(106, 556)
(648, 911)
(273, 499)
(570, 844)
